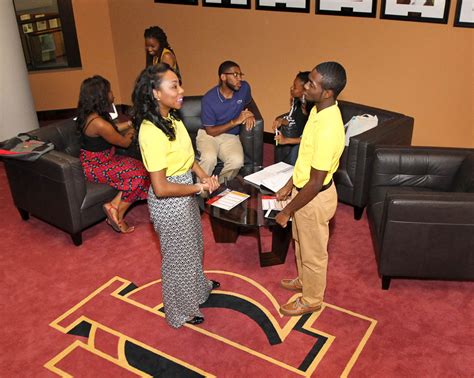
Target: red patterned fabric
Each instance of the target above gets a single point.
(123, 173)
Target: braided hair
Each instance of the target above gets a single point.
(145, 105)
(93, 98)
(159, 34)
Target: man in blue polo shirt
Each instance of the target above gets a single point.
(223, 112)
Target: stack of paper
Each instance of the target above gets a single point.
(273, 177)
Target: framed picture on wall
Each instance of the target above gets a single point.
(27, 28)
(180, 2)
(283, 5)
(41, 25)
(244, 4)
(359, 8)
(416, 10)
(464, 14)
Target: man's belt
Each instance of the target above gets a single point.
(323, 188)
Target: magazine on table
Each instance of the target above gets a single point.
(273, 177)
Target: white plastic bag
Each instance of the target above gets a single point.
(359, 124)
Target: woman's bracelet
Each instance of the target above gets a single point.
(200, 189)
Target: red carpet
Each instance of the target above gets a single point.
(94, 310)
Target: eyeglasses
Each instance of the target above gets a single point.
(234, 74)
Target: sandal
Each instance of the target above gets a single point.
(111, 219)
(125, 228)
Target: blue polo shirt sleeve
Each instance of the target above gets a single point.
(208, 116)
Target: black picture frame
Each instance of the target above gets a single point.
(239, 4)
(178, 2)
(356, 8)
(435, 11)
(300, 6)
(464, 17)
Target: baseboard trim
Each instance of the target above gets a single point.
(58, 114)
(268, 137)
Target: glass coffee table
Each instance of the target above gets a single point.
(248, 215)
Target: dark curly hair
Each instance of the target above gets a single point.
(93, 98)
(145, 106)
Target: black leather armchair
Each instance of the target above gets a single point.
(353, 175)
(421, 212)
(54, 188)
(252, 141)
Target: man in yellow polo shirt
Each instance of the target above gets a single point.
(314, 197)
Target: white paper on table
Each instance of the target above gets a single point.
(271, 203)
(230, 200)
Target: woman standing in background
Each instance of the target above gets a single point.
(158, 49)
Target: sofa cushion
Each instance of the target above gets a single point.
(464, 178)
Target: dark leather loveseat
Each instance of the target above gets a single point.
(54, 189)
(421, 212)
(353, 175)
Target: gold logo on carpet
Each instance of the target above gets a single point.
(121, 328)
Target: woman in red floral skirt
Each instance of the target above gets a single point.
(99, 136)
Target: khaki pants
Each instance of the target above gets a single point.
(311, 234)
(226, 147)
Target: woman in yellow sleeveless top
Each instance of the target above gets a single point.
(158, 49)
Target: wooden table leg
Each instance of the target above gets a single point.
(224, 232)
(281, 238)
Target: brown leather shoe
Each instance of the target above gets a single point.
(297, 308)
(293, 285)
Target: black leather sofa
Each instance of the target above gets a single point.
(54, 188)
(421, 212)
(353, 175)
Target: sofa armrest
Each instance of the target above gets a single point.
(51, 188)
(252, 141)
(430, 207)
(361, 149)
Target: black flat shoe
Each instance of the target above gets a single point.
(215, 285)
(196, 320)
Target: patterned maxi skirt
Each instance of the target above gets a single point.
(123, 173)
(178, 223)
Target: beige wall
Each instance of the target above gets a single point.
(421, 69)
